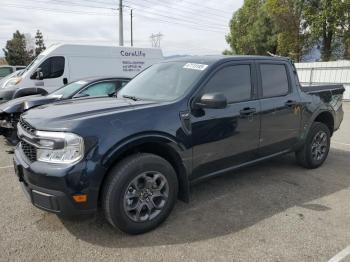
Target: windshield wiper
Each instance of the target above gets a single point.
(134, 98)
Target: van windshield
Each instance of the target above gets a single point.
(68, 90)
(166, 81)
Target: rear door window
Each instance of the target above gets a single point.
(233, 81)
(274, 80)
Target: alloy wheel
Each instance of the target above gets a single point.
(146, 196)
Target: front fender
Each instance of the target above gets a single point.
(179, 153)
(139, 139)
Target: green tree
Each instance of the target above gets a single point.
(39, 43)
(326, 20)
(251, 30)
(228, 52)
(345, 28)
(288, 17)
(15, 50)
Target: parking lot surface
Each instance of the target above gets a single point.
(275, 211)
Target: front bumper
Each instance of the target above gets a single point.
(52, 190)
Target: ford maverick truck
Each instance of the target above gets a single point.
(176, 123)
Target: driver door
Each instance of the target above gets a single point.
(223, 138)
(54, 73)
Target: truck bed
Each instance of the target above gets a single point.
(334, 89)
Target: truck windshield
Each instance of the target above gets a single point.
(166, 81)
(68, 90)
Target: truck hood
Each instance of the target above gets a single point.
(19, 105)
(65, 115)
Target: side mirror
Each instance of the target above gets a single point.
(39, 75)
(212, 100)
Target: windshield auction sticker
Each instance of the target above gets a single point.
(194, 66)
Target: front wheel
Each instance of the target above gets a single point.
(316, 148)
(139, 193)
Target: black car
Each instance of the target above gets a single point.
(87, 88)
(176, 123)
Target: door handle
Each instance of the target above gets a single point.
(247, 111)
(290, 103)
(65, 80)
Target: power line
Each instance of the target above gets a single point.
(55, 10)
(212, 24)
(207, 7)
(181, 9)
(179, 18)
(62, 2)
(179, 23)
(100, 2)
(218, 12)
(68, 4)
(189, 25)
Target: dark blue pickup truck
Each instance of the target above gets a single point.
(176, 123)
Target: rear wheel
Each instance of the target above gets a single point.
(139, 193)
(316, 148)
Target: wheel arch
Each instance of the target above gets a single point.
(157, 144)
(325, 117)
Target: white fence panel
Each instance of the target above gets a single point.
(337, 72)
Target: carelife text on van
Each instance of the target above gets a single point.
(63, 63)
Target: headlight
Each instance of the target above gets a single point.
(59, 147)
(13, 81)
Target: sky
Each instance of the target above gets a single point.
(188, 28)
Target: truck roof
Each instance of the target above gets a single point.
(212, 59)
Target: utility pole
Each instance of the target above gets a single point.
(121, 34)
(132, 37)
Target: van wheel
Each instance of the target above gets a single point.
(139, 193)
(316, 148)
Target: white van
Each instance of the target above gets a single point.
(63, 63)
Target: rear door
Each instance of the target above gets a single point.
(280, 108)
(223, 138)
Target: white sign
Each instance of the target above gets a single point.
(194, 66)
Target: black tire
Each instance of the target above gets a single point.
(117, 187)
(307, 157)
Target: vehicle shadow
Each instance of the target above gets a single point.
(230, 203)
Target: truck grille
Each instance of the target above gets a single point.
(26, 127)
(29, 151)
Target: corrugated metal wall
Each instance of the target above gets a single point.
(337, 72)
